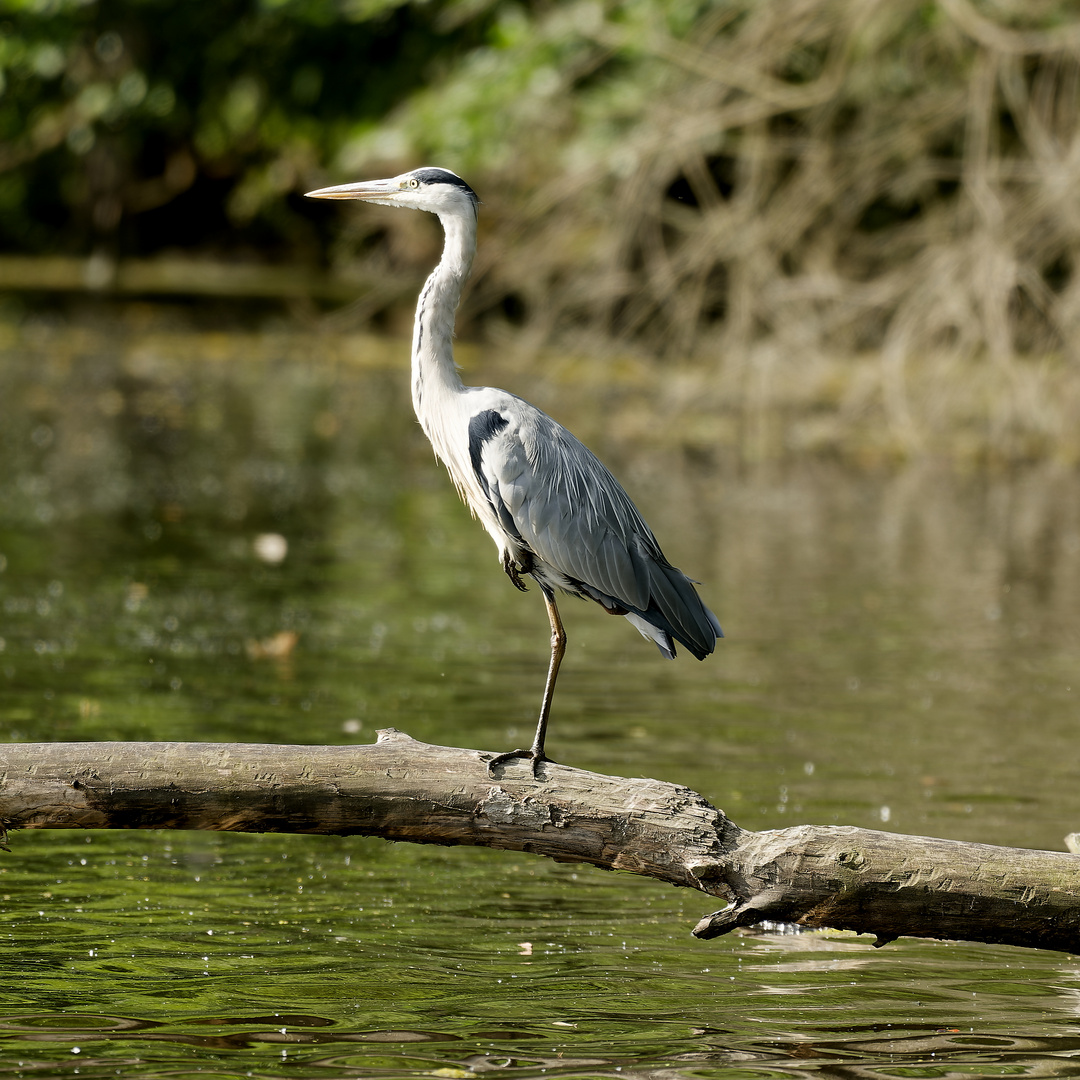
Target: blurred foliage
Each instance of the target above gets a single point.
(145, 124)
(826, 173)
(763, 189)
(758, 188)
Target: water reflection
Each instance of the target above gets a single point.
(861, 1050)
(314, 956)
(244, 537)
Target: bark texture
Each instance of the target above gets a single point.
(400, 789)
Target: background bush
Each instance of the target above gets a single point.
(753, 187)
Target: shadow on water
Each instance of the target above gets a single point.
(245, 538)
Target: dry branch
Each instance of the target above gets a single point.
(401, 789)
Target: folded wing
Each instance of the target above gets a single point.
(560, 503)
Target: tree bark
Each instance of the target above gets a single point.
(400, 789)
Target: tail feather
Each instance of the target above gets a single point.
(675, 613)
(654, 633)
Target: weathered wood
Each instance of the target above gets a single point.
(902, 886)
(400, 789)
(396, 788)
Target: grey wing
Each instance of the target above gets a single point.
(570, 512)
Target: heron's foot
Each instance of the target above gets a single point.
(534, 756)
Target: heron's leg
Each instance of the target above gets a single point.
(558, 649)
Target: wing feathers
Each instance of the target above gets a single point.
(556, 498)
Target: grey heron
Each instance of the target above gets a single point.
(554, 511)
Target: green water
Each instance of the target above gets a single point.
(901, 654)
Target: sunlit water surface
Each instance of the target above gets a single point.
(901, 654)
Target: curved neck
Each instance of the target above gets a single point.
(434, 373)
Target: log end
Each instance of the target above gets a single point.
(770, 904)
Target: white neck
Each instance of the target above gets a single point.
(434, 373)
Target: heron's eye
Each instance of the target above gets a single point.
(414, 183)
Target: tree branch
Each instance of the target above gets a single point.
(400, 789)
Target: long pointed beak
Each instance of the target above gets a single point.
(366, 189)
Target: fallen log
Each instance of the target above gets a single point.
(817, 876)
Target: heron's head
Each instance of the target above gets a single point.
(438, 191)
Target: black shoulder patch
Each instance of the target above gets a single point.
(482, 427)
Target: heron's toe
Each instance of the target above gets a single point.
(534, 757)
